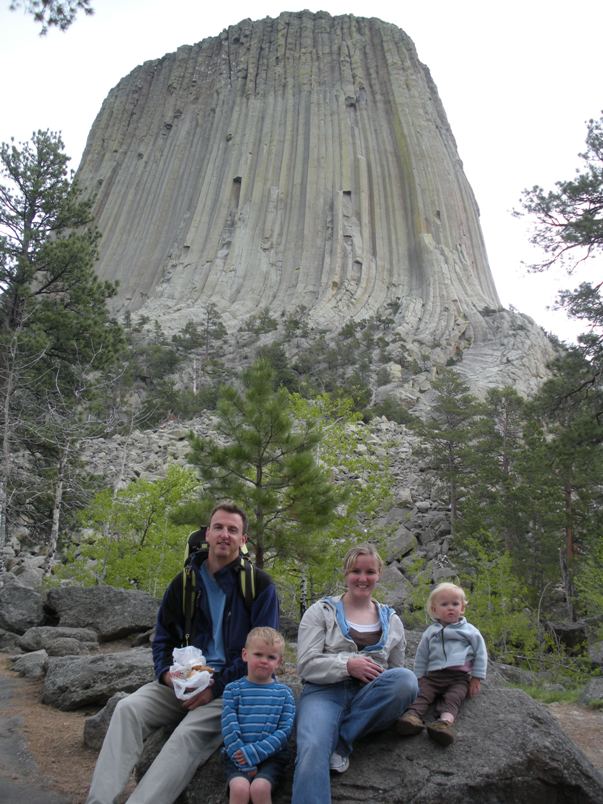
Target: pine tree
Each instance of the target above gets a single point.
(564, 470)
(569, 230)
(449, 432)
(54, 322)
(266, 461)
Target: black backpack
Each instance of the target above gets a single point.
(251, 580)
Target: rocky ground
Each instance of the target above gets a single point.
(43, 759)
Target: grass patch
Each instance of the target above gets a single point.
(545, 695)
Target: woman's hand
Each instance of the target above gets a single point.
(363, 668)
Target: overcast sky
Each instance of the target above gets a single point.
(518, 81)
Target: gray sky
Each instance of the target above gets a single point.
(518, 81)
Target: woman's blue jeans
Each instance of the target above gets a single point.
(332, 716)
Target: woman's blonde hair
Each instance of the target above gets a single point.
(443, 587)
(361, 550)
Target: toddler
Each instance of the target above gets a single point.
(257, 720)
(451, 661)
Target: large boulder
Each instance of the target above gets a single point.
(112, 613)
(31, 665)
(20, 606)
(509, 750)
(95, 727)
(74, 682)
(59, 641)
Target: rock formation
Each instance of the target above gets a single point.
(304, 160)
(509, 748)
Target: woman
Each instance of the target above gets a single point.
(350, 654)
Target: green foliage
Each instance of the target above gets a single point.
(163, 402)
(134, 542)
(205, 338)
(449, 433)
(569, 230)
(416, 615)
(261, 322)
(588, 578)
(569, 224)
(552, 695)
(296, 323)
(498, 601)
(265, 460)
(53, 13)
(347, 451)
(392, 409)
(57, 339)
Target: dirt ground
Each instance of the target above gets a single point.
(62, 765)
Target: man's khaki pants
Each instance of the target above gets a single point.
(197, 735)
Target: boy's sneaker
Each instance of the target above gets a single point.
(409, 724)
(441, 732)
(338, 763)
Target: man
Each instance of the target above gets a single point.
(220, 626)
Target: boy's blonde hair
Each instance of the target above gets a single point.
(268, 635)
(361, 550)
(443, 587)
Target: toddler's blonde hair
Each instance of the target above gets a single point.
(443, 587)
(268, 635)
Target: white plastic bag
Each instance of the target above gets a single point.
(187, 681)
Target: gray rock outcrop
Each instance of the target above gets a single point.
(112, 613)
(303, 160)
(509, 750)
(59, 641)
(95, 727)
(20, 606)
(75, 682)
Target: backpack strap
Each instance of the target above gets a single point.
(247, 582)
(189, 597)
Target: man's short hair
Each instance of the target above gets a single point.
(231, 508)
(268, 635)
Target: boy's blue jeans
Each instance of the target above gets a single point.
(330, 717)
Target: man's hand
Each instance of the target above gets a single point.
(199, 700)
(166, 679)
(474, 686)
(363, 668)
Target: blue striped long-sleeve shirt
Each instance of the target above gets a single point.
(256, 719)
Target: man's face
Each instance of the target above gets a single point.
(225, 536)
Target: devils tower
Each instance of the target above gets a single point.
(304, 160)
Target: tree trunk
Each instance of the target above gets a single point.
(568, 587)
(56, 511)
(6, 463)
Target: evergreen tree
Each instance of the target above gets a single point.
(569, 230)
(266, 461)
(53, 315)
(53, 13)
(566, 479)
(493, 488)
(449, 432)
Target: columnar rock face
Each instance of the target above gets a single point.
(299, 160)
(304, 160)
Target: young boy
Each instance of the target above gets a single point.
(450, 662)
(257, 720)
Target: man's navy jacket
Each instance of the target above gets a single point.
(238, 621)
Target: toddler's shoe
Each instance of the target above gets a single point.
(441, 732)
(409, 724)
(338, 763)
